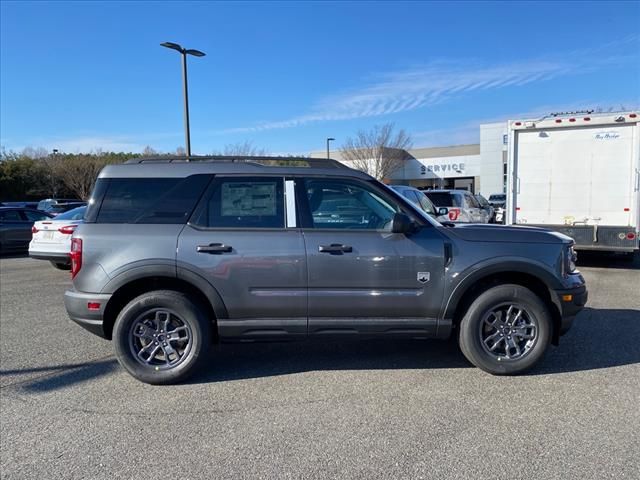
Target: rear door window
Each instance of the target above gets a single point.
(11, 216)
(35, 216)
(242, 202)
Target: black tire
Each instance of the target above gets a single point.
(61, 266)
(522, 352)
(132, 333)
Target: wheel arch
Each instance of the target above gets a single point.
(474, 285)
(127, 291)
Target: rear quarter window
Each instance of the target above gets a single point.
(145, 200)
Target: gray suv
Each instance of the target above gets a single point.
(177, 254)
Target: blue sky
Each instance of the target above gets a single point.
(81, 76)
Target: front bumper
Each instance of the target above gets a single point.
(77, 305)
(571, 302)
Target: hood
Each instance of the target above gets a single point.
(507, 233)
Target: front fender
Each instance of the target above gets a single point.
(463, 280)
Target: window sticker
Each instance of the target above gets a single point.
(243, 199)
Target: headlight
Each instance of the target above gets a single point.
(570, 260)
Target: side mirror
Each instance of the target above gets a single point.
(443, 211)
(401, 223)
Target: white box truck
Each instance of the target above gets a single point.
(578, 174)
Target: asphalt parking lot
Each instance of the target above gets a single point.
(351, 409)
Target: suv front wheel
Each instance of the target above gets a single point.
(161, 337)
(506, 330)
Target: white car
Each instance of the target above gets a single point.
(51, 238)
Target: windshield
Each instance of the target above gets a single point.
(497, 198)
(74, 214)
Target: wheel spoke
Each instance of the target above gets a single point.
(495, 344)
(510, 346)
(528, 330)
(167, 360)
(143, 331)
(169, 350)
(178, 329)
(492, 337)
(162, 320)
(508, 315)
(154, 349)
(490, 323)
(516, 318)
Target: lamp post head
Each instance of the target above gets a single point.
(173, 46)
(195, 53)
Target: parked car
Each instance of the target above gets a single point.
(421, 200)
(487, 207)
(56, 210)
(52, 238)
(15, 227)
(462, 205)
(31, 205)
(48, 203)
(174, 255)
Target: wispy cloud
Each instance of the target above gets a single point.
(469, 131)
(440, 81)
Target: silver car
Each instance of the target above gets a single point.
(462, 205)
(422, 201)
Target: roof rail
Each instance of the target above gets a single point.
(259, 160)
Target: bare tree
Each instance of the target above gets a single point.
(79, 172)
(244, 149)
(378, 152)
(149, 152)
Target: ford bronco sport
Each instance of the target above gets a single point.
(178, 253)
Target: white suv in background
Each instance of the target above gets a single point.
(462, 205)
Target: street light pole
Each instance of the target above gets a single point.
(328, 152)
(52, 179)
(185, 91)
(184, 52)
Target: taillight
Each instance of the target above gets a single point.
(454, 213)
(67, 230)
(34, 229)
(75, 256)
(631, 236)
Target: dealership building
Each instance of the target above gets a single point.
(480, 168)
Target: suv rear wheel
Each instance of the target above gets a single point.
(161, 337)
(61, 266)
(506, 330)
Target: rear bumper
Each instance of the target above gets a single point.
(77, 303)
(571, 302)
(53, 256)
